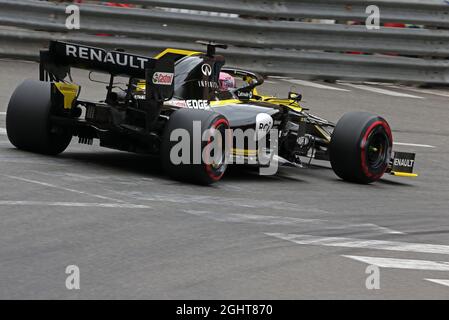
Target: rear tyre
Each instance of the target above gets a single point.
(360, 148)
(28, 120)
(197, 169)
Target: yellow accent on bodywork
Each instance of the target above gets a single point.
(288, 103)
(244, 152)
(69, 91)
(324, 133)
(294, 105)
(141, 86)
(224, 102)
(403, 174)
(176, 51)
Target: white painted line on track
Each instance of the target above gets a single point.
(403, 263)
(362, 243)
(315, 85)
(2, 113)
(279, 77)
(414, 145)
(73, 204)
(425, 91)
(288, 221)
(379, 228)
(443, 282)
(65, 189)
(381, 91)
(217, 201)
(251, 218)
(2, 131)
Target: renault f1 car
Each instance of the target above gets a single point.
(172, 91)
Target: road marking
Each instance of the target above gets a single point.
(439, 281)
(73, 204)
(279, 77)
(381, 229)
(425, 91)
(217, 201)
(288, 221)
(65, 189)
(362, 243)
(381, 91)
(251, 218)
(403, 263)
(2, 113)
(2, 131)
(413, 145)
(315, 85)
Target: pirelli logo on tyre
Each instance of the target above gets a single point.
(163, 78)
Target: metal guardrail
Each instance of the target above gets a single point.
(241, 32)
(308, 65)
(427, 12)
(272, 47)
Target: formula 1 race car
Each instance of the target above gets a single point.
(167, 95)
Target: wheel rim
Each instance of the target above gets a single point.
(377, 149)
(217, 164)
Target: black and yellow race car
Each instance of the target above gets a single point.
(178, 89)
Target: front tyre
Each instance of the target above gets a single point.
(28, 120)
(360, 148)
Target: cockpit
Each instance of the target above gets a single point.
(204, 78)
(197, 77)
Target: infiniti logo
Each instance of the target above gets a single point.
(206, 69)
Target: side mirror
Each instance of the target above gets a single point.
(295, 96)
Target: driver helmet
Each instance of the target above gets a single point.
(226, 81)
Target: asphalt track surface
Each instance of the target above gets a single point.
(302, 234)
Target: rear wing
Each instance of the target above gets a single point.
(57, 61)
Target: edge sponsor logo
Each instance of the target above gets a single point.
(191, 104)
(163, 78)
(198, 104)
(99, 55)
